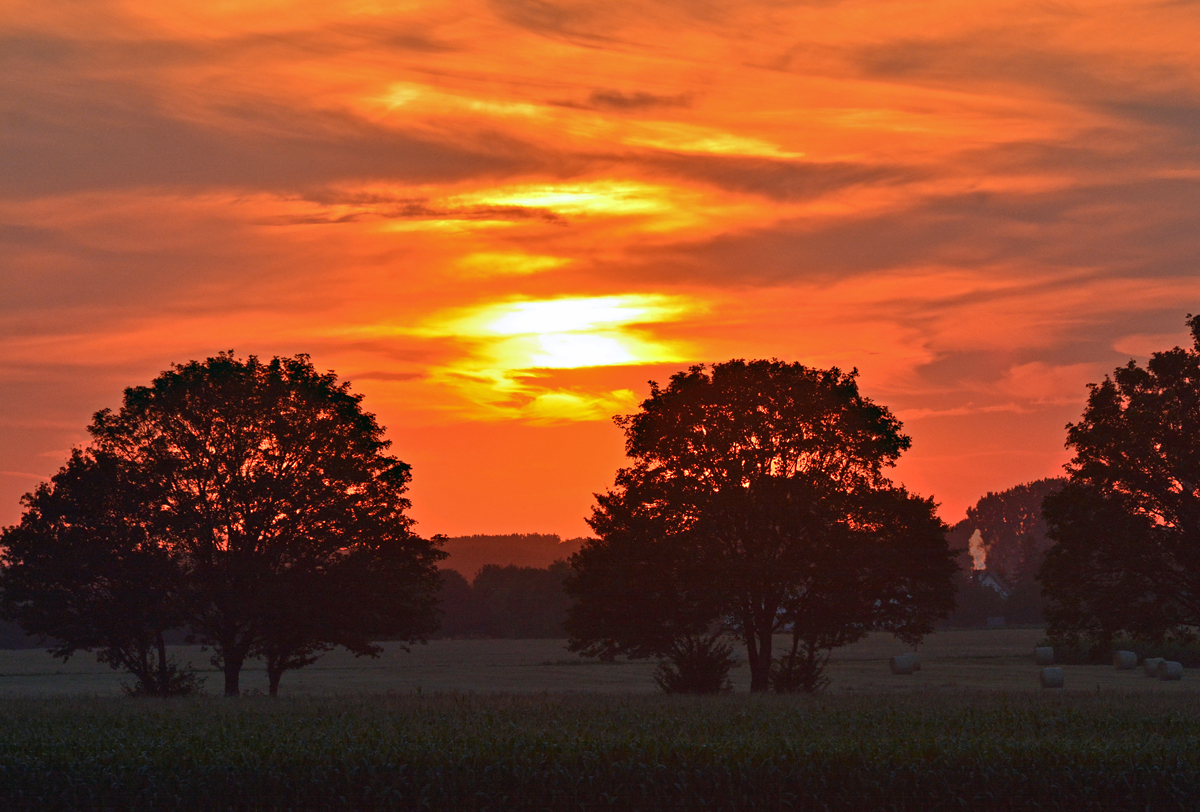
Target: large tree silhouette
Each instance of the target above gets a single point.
(757, 499)
(85, 570)
(1127, 524)
(270, 490)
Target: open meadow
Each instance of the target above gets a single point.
(988, 660)
(524, 725)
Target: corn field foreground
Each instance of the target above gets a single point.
(520, 752)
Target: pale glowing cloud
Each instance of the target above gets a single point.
(601, 198)
(488, 263)
(687, 138)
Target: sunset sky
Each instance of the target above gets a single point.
(500, 219)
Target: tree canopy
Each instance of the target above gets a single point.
(1127, 524)
(269, 491)
(756, 500)
(85, 569)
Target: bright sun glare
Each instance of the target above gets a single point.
(513, 338)
(575, 315)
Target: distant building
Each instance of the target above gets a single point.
(992, 581)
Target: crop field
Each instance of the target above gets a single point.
(523, 725)
(920, 751)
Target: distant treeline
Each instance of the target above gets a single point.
(469, 554)
(509, 602)
(521, 598)
(1014, 540)
(12, 636)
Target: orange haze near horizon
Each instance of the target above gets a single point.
(500, 219)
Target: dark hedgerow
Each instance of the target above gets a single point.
(452, 752)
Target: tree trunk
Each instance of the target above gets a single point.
(231, 656)
(751, 651)
(275, 669)
(163, 675)
(232, 660)
(760, 666)
(791, 657)
(758, 649)
(232, 673)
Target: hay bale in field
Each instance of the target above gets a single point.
(1124, 660)
(1170, 671)
(1044, 655)
(1052, 677)
(1150, 666)
(904, 663)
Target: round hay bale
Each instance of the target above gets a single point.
(1170, 671)
(1150, 666)
(916, 658)
(1052, 677)
(902, 664)
(1044, 655)
(1124, 660)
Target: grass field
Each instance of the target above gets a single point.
(997, 659)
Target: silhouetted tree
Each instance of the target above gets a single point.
(85, 569)
(270, 489)
(884, 565)
(522, 602)
(636, 591)
(456, 602)
(1013, 530)
(1127, 525)
(505, 602)
(366, 592)
(757, 498)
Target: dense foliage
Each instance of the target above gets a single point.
(86, 569)
(1127, 524)
(251, 503)
(504, 602)
(732, 753)
(756, 502)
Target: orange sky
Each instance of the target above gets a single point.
(500, 219)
